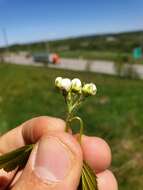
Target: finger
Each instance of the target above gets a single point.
(34, 129)
(55, 164)
(96, 152)
(107, 181)
(29, 132)
(5, 179)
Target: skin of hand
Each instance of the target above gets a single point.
(56, 160)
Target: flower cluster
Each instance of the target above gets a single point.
(76, 86)
(74, 93)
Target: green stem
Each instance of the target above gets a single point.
(67, 123)
(81, 126)
(72, 105)
(76, 105)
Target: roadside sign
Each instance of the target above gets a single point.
(137, 53)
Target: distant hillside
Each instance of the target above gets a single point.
(106, 46)
(120, 42)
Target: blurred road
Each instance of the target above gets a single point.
(106, 67)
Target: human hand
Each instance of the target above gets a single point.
(56, 160)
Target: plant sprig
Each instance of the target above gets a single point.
(74, 93)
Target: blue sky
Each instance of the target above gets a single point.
(33, 20)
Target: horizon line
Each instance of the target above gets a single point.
(72, 37)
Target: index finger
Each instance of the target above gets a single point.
(30, 132)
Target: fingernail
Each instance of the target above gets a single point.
(53, 160)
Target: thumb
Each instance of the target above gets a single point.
(55, 164)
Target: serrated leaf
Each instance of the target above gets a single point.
(15, 159)
(88, 179)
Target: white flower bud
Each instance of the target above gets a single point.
(89, 89)
(58, 82)
(76, 85)
(66, 84)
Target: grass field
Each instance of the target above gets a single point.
(101, 55)
(114, 114)
(94, 55)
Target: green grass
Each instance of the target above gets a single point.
(114, 114)
(93, 55)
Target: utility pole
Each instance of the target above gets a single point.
(5, 40)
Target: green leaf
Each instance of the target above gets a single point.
(88, 179)
(15, 159)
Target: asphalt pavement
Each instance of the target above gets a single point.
(98, 66)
